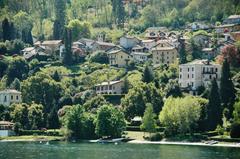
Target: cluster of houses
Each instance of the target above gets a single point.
(159, 45)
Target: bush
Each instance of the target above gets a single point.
(39, 132)
(235, 130)
(99, 57)
(156, 137)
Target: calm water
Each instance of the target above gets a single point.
(61, 150)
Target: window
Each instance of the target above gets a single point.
(216, 69)
(188, 76)
(192, 84)
(192, 75)
(5, 98)
(110, 87)
(180, 69)
(121, 57)
(11, 97)
(210, 76)
(16, 97)
(188, 69)
(180, 76)
(192, 68)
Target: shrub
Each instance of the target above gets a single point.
(156, 137)
(235, 130)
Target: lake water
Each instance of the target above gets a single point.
(63, 150)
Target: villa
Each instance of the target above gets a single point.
(9, 96)
(111, 87)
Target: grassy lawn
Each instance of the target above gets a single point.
(33, 137)
(137, 135)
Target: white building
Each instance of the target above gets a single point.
(198, 73)
(9, 96)
(111, 87)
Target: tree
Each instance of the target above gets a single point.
(182, 51)
(79, 30)
(19, 114)
(214, 109)
(231, 54)
(59, 23)
(35, 116)
(149, 123)
(6, 30)
(68, 57)
(134, 102)
(227, 90)
(75, 121)
(42, 89)
(56, 76)
(126, 85)
(109, 122)
(180, 115)
(236, 112)
(18, 68)
(147, 75)
(173, 89)
(99, 57)
(118, 12)
(53, 120)
(3, 67)
(94, 103)
(16, 84)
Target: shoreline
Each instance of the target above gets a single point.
(236, 145)
(220, 144)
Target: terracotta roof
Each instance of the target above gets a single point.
(233, 16)
(163, 48)
(200, 62)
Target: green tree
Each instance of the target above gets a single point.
(59, 23)
(7, 30)
(236, 112)
(214, 109)
(35, 116)
(149, 123)
(18, 68)
(182, 51)
(126, 85)
(56, 76)
(118, 12)
(79, 30)
(19, 114)
(75, 121)
(99, 57)
(109, 122)
(180, 115)
(42, 89)
(227, 90)
(53, 120)
(3, 67)
(147, 75)
(134, 102)
(68, 57)
(16, 84)
(94, 103)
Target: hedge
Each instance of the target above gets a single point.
(40, 132)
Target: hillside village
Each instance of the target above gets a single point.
(191, 71)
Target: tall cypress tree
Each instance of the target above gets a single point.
(182, 51)
(6, 30)
(214, 109)
(227, 90)
(68, 59)
(147, 75)
(59, 23)
(118, 12)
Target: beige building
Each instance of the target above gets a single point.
(119, 58)
(164, 53)
(9, 96)
(111, 87)
(198, 73)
